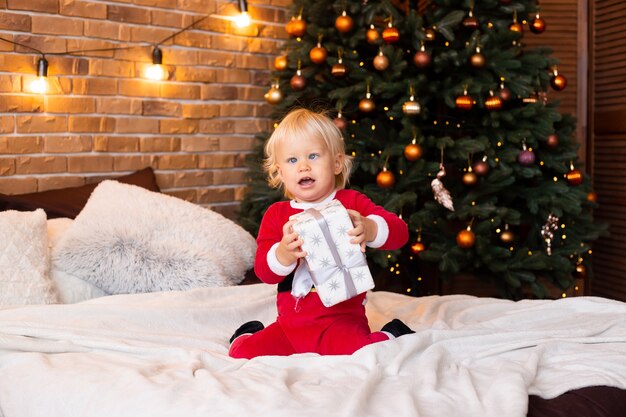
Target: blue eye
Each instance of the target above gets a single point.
(314, 156)
(292, 160)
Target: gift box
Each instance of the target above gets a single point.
(338, 268)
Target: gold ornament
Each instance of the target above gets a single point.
(367, 105)
(478, 60)
(466, 238)
(385, 179)
(580, 272)
(493, 102)
(411, 107)
(372, 35)
(516, 27)
(339, 70)
(274, 95)
(344, 23)
(470, 178)
(429, 34)
(280, 63)
(507, 236)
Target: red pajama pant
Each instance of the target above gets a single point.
(306, 325)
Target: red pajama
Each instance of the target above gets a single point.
(305, 324)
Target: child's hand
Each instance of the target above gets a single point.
(364, 231)
(290, 247)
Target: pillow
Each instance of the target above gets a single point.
(68, 202)
(24, 259)
(70, 289)
(130, 240)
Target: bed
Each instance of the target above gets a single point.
(141, 336)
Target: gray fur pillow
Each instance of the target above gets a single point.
(130, 240)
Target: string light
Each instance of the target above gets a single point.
(156, 71)
(40, 84)
(243, 19)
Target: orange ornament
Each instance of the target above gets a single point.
(318, 54)
(372, 35)
(385, 179)
(493, 103)
(418, 247)
(367, 105)
(296, 27)
(537, 25)
(465, 238)
(470, 178)
(280, 63)
(558, 82)
(413, 152)
(592, 197)
(516, 27)
(344, 23)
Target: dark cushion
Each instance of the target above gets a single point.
(599, 401)
(68, 202)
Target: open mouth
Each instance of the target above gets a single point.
(306, 181)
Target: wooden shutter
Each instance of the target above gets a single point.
(608, 142)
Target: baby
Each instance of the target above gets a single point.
(306, 156)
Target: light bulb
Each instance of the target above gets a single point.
(40, 84)
(156, 71)
(242, 20)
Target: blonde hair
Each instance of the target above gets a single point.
(304, 123)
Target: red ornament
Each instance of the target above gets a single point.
(422, 59)
(464, 102)
(574, 177)
(558, 82)
(297, 82)
(481, 168)
(504, 93)
(391, 34)
(552, 141)
(493, 102)
(340, 122)
(537, 25)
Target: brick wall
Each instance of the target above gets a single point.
(100, 118)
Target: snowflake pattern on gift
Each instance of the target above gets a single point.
(316, 240)
(334, 285)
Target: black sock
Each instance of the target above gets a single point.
(397, 328)
(249, 327)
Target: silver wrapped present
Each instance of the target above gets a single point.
(338, 268)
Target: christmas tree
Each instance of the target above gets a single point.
(450, 122)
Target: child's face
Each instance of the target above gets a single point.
(307, 168)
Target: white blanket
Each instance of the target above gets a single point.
(165, 354)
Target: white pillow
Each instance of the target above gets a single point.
(130, 240)
(70, 289)
(24, 259)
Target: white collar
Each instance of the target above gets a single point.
(305, 205)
